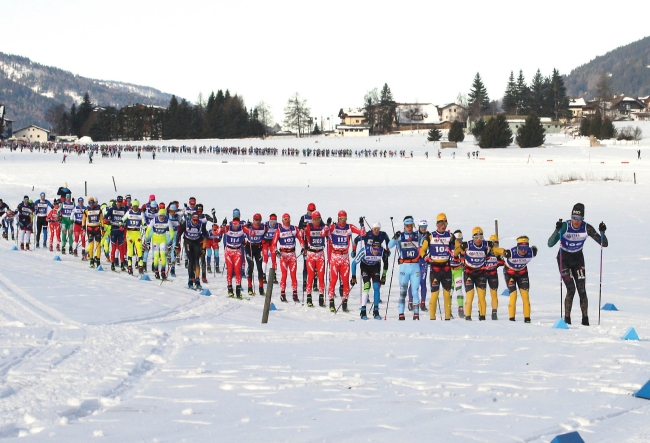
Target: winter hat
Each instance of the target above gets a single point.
(236, 213)
(408, 220)
(376, 225)
(578, 209)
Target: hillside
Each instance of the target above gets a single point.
(28, 89)
(628, 66)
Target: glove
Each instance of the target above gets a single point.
(360, 221)
(248, 223)
(396, 236)
(428, 259)
(534, 248)
(507, 253)
(329, 220)
(213, 211)
(224, 222)
(463, 246)
(383, 278)
(602, 227)
(558, 225)
(277, 253)
(353, 253)
(353, 281)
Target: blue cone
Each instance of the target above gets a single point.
(99, 268)
(505, 293)
(560, 324)
(14, 248)
(644, 392)
(145, 277)
(630, 335)
(571, 437)
(609, 307)
(56, 258)
(206, 292)
(273, 308)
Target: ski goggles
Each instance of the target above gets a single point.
(42, 194)
(441, 222)
(273, 223)
(478, 236)
(522, 248)
(577, 218)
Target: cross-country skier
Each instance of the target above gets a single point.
(253, 249)
(54, 227)
(194, 235)
(149, 215)
(284, 245)
(340, 234)
(212, 247)
(67, 206)
(571, 261)
(133, 222)
(25, 212)
(457, 263)
(160, 234)
(491, 266)
(92, 222)
(407, 246)
(114, 216)
(304, 220)
(271, 226)
(370, 258)
(6, 215)
(315, 235)
(515, 273)
(436, 250)
(233, 241)
(42, 207)
(78, 231)
(175, 221)
(424, 268)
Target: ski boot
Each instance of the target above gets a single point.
(567, 319)
(262, 293)
(283, 296)
(172, 272)
(190, 284)
(113, 267)
(4, 235)
(22, 246)
(70, 251)
(344, 305)
(185, 263)
(51, 248)
(376, 315)
(197, 285)
(585, 321)
(275, 279)
(321, 300)
(123, 266)
(204, 280)
(163, 274)
(401, 317)
(238, 292)
(230, 293)
(130, 270)
(250, 291)
(309, 301)
(481, 317)
(527, 320)
(461, 312)
(295, 296)
(144, 267)
(512, 319)
(27, 246)
(332, 307)
(209, 268)
(494, 314)
(63, 251)
(92, 263)
(423, 306)
(416, 316)
(264, 278)
(74, 253)
(140, 270)
(58, 248)
(216, 269)
(410, 306)
(468, 318)
(156, 273)
(12, 236)
(38, 246)
(363, 314)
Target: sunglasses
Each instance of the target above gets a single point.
(441, 222)
(577, 218)
(478, 235)
(410, 224)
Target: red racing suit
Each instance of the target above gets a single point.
(315, 240)
(339, 260)
(284, 243)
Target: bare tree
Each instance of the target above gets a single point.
(296, 114)
(370, 102)
(264, 114)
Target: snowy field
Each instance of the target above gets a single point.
(87, 354)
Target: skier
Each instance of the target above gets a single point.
(54, 227)
(42, 206)
(92, 222)
(114, 216)
(304, 220)
(370, 257)
(423, 233)
(492, 263)
(515, 273)
(315, 234)
(194, 235)
(233, 241)
(571, 261)
(284, 245)
(436, 251)
(407, 247)
(212, 247)
(340, 234)
(174, 249)
(25, 212)
(271, 226)
(457, 263)
(6, 217)
(133, 221)
(79, 234)
(67, 206)
(203, 218)
(106, 236)
(160, 233)
(149, 216)
(254, 235)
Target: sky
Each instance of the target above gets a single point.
(331, 53)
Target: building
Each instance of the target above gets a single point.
(622, 107)
(451, 112)
(32, 133)
(353, 116)
(8, 129)
(575, 107)
(353, 130)
(550, 126)
(410, 116)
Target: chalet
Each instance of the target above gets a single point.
(590, 108)
(8, 129)
(575, 107)
(451, 112)
(32, 133)
(353, 116)
(622, 107)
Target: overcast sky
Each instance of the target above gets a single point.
(331, 52)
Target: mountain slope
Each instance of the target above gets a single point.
(28, 89)
(628, 66)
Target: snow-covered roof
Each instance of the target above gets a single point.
(416, 113)
(448, 105)
(352, 112)
(32, 126)
(576, 102)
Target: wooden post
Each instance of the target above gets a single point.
(269, 292)
(114, 187)
(496, 228)
(85, 189)
(635, 178)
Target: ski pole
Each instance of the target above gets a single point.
(560, 255)
(600, 291)
(390, 285)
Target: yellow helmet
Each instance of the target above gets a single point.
(441, 217)
(477, 231)
(523, 239)
(494, 238)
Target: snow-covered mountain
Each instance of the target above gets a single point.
(28, 89)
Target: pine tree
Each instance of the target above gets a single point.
(478, 129)
(557, 96)
(585, 127)
(532, 133)
(596, 125)
(523, 94)
(456, 133)
(316, 130)
(434, 135)
(478, 99)
(607, 130)
(509, 103)
(537, 94)
(497, 133)
(386, 108)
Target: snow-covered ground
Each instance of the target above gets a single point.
(88, 354)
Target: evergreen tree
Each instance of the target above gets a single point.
(497, 133)
(456, 133)
(386, 108)
(434, 135)
(585, 127)
(523, 94)
(509, 103)
(170, 122)
(75, 125)
(537, 94)
(478, 99)
(316, 130)
(607, 129)
(557, 96)
(596, 124)
(477, 130)
(531, 134)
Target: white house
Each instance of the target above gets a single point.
(32, 133)
(353, 130)
(575, 106)
(451, 112)
(416, 114)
